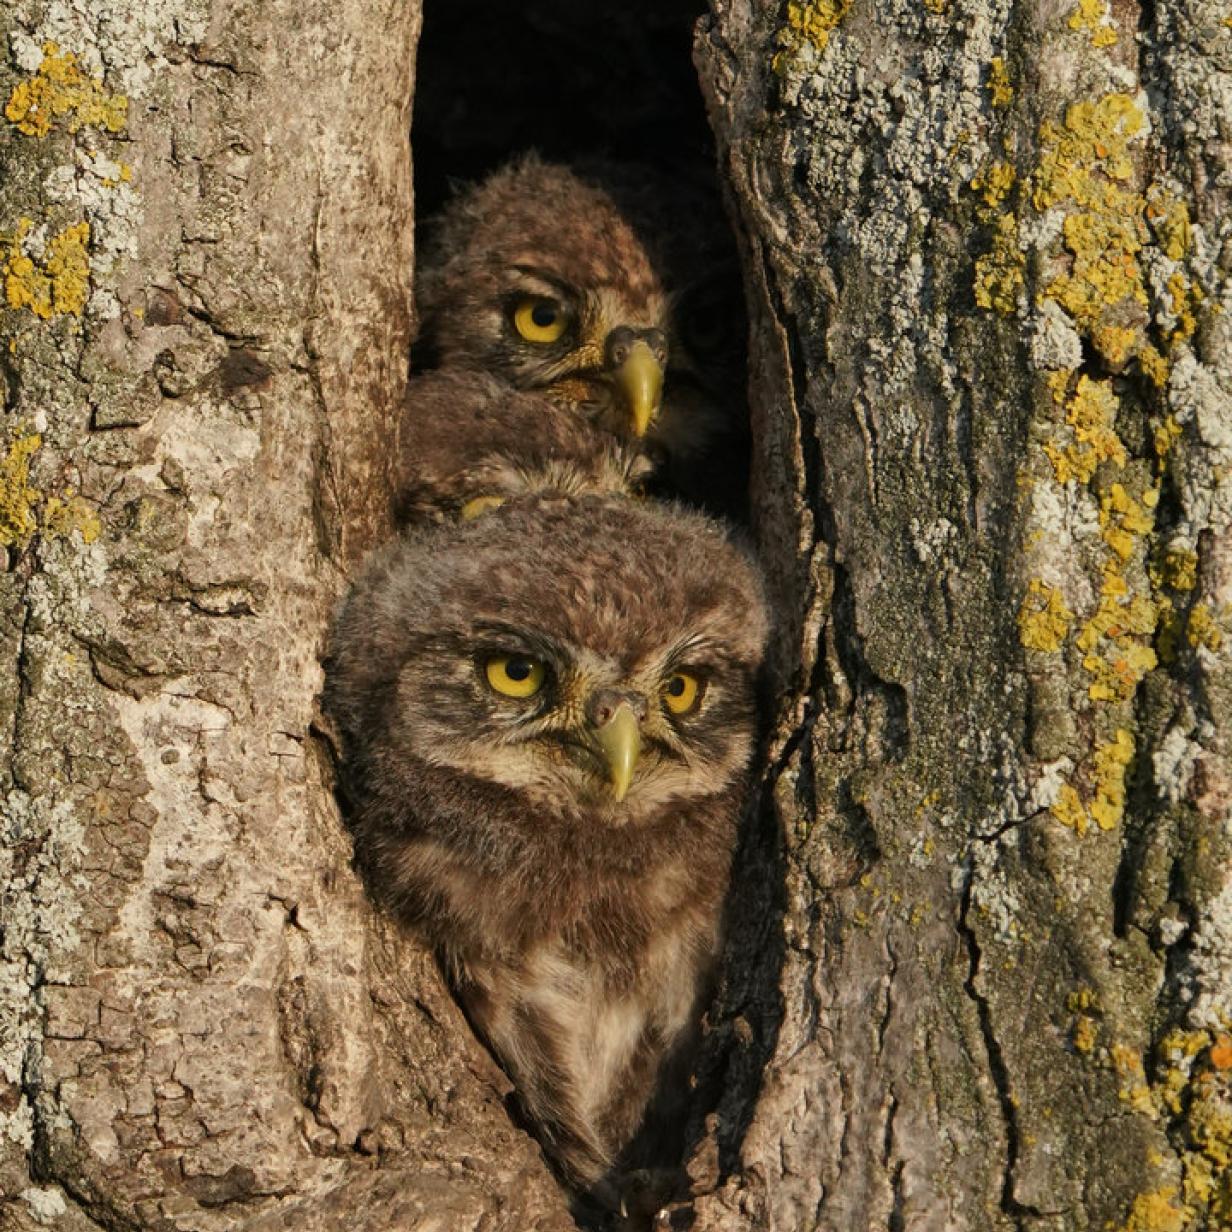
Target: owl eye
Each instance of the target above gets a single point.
(514, 675)
(682, 692)
(538, 319)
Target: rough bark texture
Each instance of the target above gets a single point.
(202, 1023)
(982, 938)
(988, 251)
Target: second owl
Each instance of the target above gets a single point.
(611, 290)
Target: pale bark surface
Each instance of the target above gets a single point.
(982, 935)
(202, 1023)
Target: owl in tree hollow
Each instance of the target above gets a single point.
(547, 716)
(612, 290)
(468, 441)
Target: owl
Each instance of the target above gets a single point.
(468, 442)
(547, 716)
(613, 291)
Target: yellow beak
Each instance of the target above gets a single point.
(639, 381)
(620, 742)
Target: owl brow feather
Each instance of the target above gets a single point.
(496, 636)
(697, 651)
(541, 282)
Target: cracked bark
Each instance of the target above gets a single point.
(943, 1007)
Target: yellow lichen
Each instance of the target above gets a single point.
(999, 88)
(63, 515)
(809, 22)
(999, 272)
(1201, 629)
(1082, 999)
(1169, 219)
(1092, 15)
(1122, 518)
(1166, 435)
(1155, 1212)
(1111, 761)
(1118, 673)
(1179, 1044)
(1085, 163)
(18, 499)
(1135, 1090)
(1043, 618)
(59, 284)
(1117, 616)
(995, 182)
(1156, 367)
(124, 177)
(1085, 1034)
(1210, 1124)
(1068, 809)
(1105, 810)
(1091, 414)
(1191, 1086)
(1118, 344)
(1087, 151)
(23, 511)
(1104, 272)
(1185, 299)
(62, 91)
(1178, 570)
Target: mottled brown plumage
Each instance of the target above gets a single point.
(469, 441)
(572, 893)
(633, 276)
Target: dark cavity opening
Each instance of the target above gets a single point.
(570, 80)
(591, 85)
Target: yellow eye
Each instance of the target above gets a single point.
(682, 692)
(515, 675)
(538, 319)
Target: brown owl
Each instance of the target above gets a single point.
(610, 289)
(547, 717)
(469, 441)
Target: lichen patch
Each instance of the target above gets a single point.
(809, 25)
(62, 95)
(53, 283)
(24, 512)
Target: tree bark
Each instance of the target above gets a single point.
(980, 971)
(987, 252)
(203, 1023)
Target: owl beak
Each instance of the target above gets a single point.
(620, 741)
(638, 378)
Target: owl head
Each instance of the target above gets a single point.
(595, 285)
(581, 664)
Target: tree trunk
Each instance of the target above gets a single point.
(204, 1025)
(981, 951)
(988, 252)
